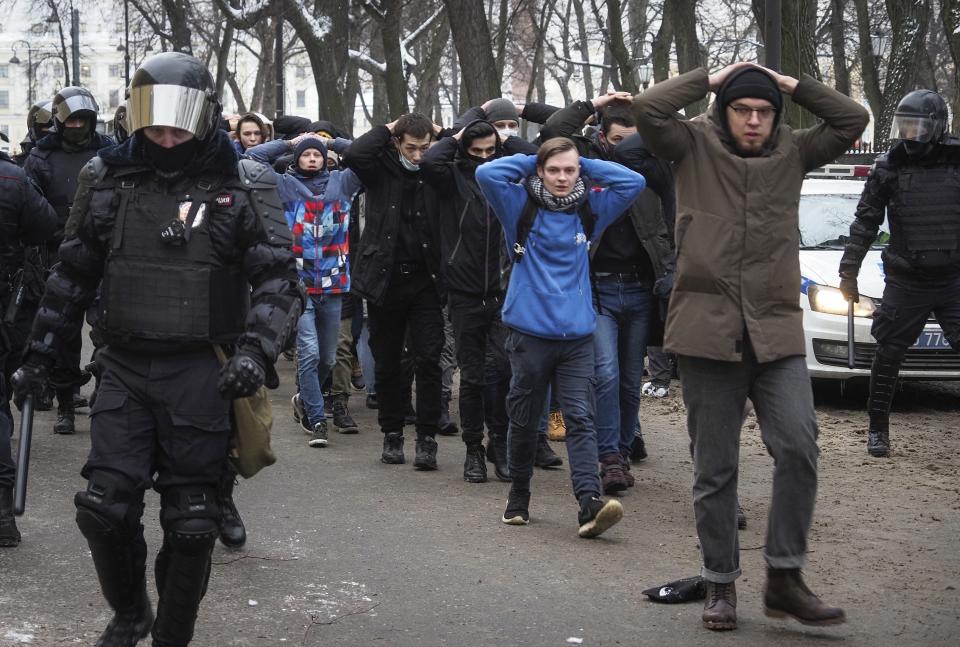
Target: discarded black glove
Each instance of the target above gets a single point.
(29, 379)
(848, 287)
(241, 376)
(685, 590)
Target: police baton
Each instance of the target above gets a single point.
(851, 351)
(23, 456)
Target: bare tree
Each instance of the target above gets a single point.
(950, 17)
(471, 37)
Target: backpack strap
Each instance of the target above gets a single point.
(524, 225)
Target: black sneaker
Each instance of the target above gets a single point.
(392, 449)
(475, 465)
(449, 429)
(299, 411)
(372, 401)
(410, 416)
(318, 437)
(546, 457)
(878, 443)
(518, 508)
(426, 457)
(597, 516)
(342, 420)
(638, 450)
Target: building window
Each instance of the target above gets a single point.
(85, 71)
(301, 72)
(4, 71)
(114, 98)
(4, 99)
(301, 98)
(115, 70)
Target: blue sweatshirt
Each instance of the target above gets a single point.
(549, 294)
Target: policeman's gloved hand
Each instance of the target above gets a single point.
(242, 375)
(29, 379)
(848, 287)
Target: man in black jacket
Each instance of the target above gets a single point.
(474, 270)
(397, 269)
(633, 255)
(26, 219)
(55, 164)
(916, 187)
(193, 250)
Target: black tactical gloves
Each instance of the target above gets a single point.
(29, 379)
(243, 374)
(848, 287)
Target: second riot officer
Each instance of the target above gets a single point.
(916, 186)
(192, 250)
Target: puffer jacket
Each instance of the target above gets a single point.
(737, 230)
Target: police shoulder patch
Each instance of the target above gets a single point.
(224, 200)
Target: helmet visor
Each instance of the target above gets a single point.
(170, 105)
(912, 128)
(70, 106)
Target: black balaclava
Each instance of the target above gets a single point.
(77, 138)
(169, 160)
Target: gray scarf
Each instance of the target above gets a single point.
(551, 202)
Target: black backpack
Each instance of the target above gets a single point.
(588, 220)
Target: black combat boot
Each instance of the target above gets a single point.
(475, 465)
(447, 426)
(182, 573)
(64, 424)
(426, 456)
(128, 627)
(9, 535)
(498, 456)
(232, 532)
(545, 456)
(342, 420)
(392, 449)
(883, 385)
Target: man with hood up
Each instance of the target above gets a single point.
(474, 266)
(734, 317)
(317, 205)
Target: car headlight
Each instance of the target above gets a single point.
(830, 301)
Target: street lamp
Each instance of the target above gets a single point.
(15, 60)
(878, 43)
(644, 73)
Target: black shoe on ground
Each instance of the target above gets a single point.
(392, 449)
(426, 456)
(475, 465)
(300, 412)
(638, 451)
(342, 420)
(518, 508)
(449, 429)
(318, 437)
(497, 448)
(597, 516)
(232, 532)
(546, 457)
(64, 424)
(9, 535)
(128, 628)
(878, 443)
(79, 402)
(372, 401)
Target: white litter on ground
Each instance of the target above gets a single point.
(575, 641)
(252, 603)
(19, 637)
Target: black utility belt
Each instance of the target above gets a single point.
(621, 277)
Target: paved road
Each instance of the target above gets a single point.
(344, 550)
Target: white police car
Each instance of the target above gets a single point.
(827, 207)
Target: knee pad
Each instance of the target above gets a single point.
(189, 515)
(110, 507)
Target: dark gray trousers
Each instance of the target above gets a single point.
(715, 393)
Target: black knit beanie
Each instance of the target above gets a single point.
(500, 110)
(751, 83)
(309, 142)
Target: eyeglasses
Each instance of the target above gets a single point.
(745, 112)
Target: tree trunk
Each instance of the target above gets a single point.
(471, 37)
(950, 17)
(638, 22)
(583, 47)
(908, 22)
(176, 11)
(428, 78)
(688, 46)
(264, 97)
(613, 32)
(841, 76)
(660, 52)
(798, 55)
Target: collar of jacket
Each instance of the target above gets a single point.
(217, 155)
(317, 184)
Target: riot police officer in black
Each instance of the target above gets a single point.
(39, 125)
(178, 230)
(54, 164)
(917, 186)
(25, 220)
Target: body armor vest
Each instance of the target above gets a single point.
(64, 171)
(167, 292)
(924, 215)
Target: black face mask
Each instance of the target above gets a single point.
(917, 150)
(172, 159)
(76, 137)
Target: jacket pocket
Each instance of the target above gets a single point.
(108, 401)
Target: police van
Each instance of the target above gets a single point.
(828, 202)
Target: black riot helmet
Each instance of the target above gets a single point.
(121, 126)
(40, 119)
(920, 121)
(175, 90)
(74, 101)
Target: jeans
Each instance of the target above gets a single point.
(619, 342)
(534, 363)
(412, 305)
(365, 355)
(715, 393)
(317, 333)
(480, 338)
(659, 365)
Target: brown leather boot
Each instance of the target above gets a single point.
(786, 595)
(720, 608)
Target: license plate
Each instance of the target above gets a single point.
(932, 339)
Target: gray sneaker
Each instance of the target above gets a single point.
(318, 437)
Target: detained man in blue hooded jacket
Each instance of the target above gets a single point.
(549, 307)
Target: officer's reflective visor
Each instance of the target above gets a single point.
(169, 105)
(912, 128)
(72, 105)
(42, 116)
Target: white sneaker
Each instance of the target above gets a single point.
(654, 391)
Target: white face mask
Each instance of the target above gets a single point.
(508, 132)
(407, 164)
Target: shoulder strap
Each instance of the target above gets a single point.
(524, 225)
(124, 188)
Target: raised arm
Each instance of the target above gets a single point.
(500, 182)
(620, 187)
(655, 111)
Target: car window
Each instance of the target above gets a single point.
(825, 221)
